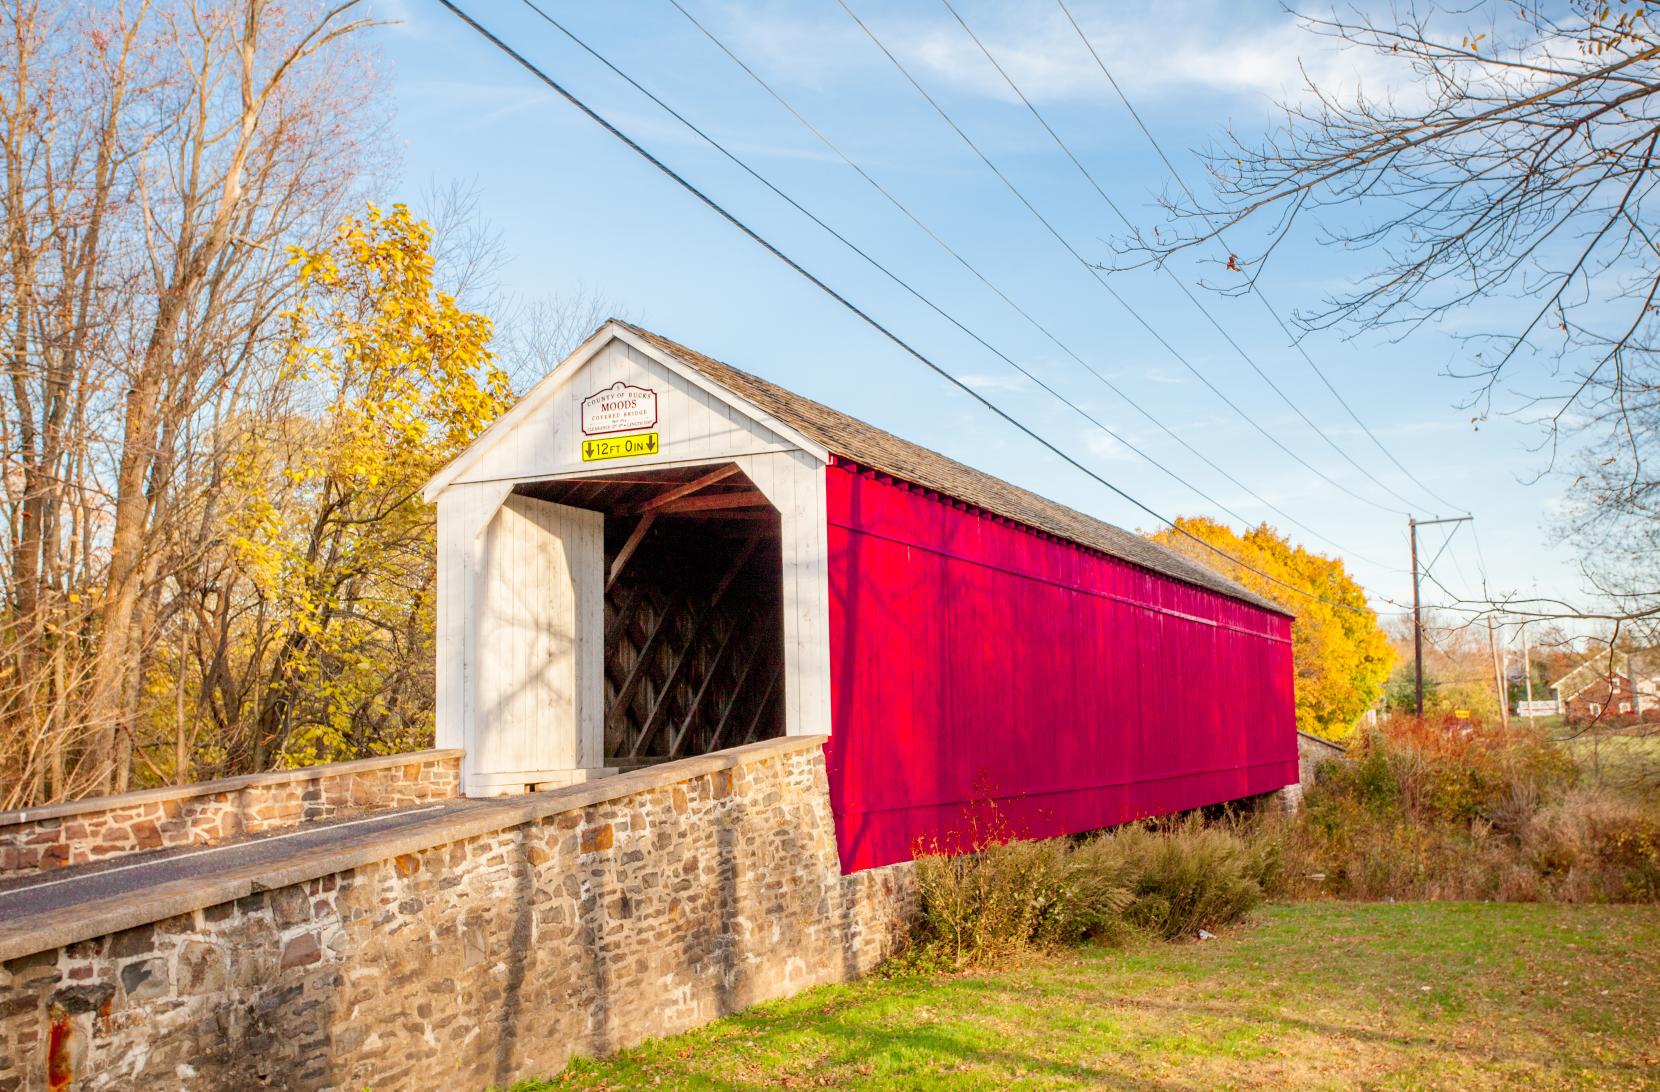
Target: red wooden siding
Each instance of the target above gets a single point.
(973, 658)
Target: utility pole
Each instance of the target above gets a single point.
(1498, 675)
(1417, 624)
(1412, 525)
(1527, 669)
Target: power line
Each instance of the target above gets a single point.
(1254, 288)
(1168, 272)
(884, 270)
(1001, 294)
(1444, 544)
(1054, 393)
(1463, 577)
(862, 315)
(1095, 273)
(1428, 570)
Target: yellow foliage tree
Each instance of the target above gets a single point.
(394, 380)
(1342, 657)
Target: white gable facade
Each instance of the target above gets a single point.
(521, 581)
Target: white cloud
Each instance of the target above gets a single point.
(1161, 49)
(1012, 381)
(1177, 47)
(1103, 446)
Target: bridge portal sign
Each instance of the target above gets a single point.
(621, 407)
(619, 447)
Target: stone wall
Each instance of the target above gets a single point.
(1312, 753)
(633, 907)
(101, 827)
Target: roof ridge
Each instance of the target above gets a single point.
(869, 445)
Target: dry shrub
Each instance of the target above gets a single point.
(1189, 876)
(1372, 857)
(1012, 897)
(1468, 811)
(1455, 770)
(1595, 845)
(985, 907)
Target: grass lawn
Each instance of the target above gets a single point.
(1628, 760)
(1411, 995)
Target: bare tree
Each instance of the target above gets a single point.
(1515, 159)
(157, 160)
(239, 168)
(64, 146)
(533, 332)
(160, 162)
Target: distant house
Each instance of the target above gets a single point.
(1606, 687)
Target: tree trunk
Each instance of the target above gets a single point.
(105, 707)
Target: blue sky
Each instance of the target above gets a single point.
(580, 213)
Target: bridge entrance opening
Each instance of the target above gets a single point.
(693, 617)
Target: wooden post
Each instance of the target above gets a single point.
(1498, 675)
(1412, 525)
(1417, 628)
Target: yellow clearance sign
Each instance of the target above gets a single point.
(600, 448)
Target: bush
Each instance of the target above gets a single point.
(1188, 876)
(981, 908)
(1461, 810)
(1594, 845)
(1416, 810)
(1169, 880)
(1454, 770)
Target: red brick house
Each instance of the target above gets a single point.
(1609, 687)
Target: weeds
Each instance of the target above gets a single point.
(1189, 876)
(1167, 880)
(1415, 811)
(1429, 811)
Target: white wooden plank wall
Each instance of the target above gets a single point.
(521, 598)
(521, 608)
(794, 482)
(463, 511)
(692, 424)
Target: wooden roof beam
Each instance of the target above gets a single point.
(728, 514)
(674, 493)
(635, 537)
(712, 501)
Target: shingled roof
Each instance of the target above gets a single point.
(870, 446)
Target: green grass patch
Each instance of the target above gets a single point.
(1408, 995)
(1622, 758)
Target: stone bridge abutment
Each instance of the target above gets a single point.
(473, 944)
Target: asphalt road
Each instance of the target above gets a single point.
(39, 913)
(63, 890)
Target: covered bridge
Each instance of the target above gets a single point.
(655, 555)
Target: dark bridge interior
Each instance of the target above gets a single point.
(694, 654)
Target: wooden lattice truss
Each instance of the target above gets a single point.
(693, 613)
